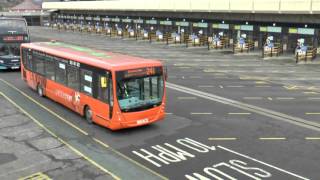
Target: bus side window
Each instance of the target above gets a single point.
(103, 83)
(61, 72)
(29, 59)
(73, 77)
(24, 57)
(39, 63)
(86, 81)
(50, 68)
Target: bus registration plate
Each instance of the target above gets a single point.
(143, 121)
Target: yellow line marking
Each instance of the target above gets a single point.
(310, 92)
(261, 82)
(101, 143)
(239, 113)
(312, 113)
(272, 138)
(291, 87)
(61, 140)
(262, 86)
(36, 176)
(122, 155)
(270, 98)
(55, 114)
(312, 138)
(222, 139)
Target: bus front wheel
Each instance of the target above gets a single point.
(88, 114)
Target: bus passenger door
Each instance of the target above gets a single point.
(102, 109)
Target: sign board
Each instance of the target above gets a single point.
(138, 21)
(115, 20)
(246, 27)
(182, 23)
(151, 21)
(305, 31)
(166, 23)
(271, 29)
(201, 25)
(106, 19)
(127, 20)
(96, 18)
(220, 26)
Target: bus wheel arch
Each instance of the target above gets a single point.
(87, 113)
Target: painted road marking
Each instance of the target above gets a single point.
(221, 86)
(235, 86)
(168, 113)
(313, 98)
(36, 176)
(200, 113)
(269, 98)
(263, 86)
(310, 92)
(71, 147)
(247, 107)
(272, 138)
(253, 98)
(204, 86)
(261, 162)
(61, 140)
(195, 77)
(312, 113)
(239, 113)
(312, 138)
(222, 139)
(187, 98)
(285, 98)
(44, 107)
(261, 82)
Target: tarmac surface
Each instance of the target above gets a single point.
(228, 116)
(28, 151)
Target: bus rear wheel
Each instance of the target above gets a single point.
(40, 91)
(88, 114)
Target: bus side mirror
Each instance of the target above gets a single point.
(165, 73)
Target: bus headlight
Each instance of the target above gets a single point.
(1, 61)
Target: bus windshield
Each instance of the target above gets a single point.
(10, 49)
(139, 93)
(13, 26)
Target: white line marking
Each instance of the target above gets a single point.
(258, 161)
(195, 77)
(312, 138)
(235, 86)
(313, 98)
(239, 113)
(221, 86)
(169, 113)
(222, 139)
(263, 86)
(200, 113)
(312, 113)
(273, 138)
(187, 98)
(205, 86)
(253, 98)
(285, 98)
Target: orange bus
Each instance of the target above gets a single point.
(113, 90)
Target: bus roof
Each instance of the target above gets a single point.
(93, 57)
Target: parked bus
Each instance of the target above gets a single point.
(113, 90)
(13, 32)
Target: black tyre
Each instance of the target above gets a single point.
(40, 91)
(88, 114)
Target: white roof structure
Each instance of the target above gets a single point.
(232, 6)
